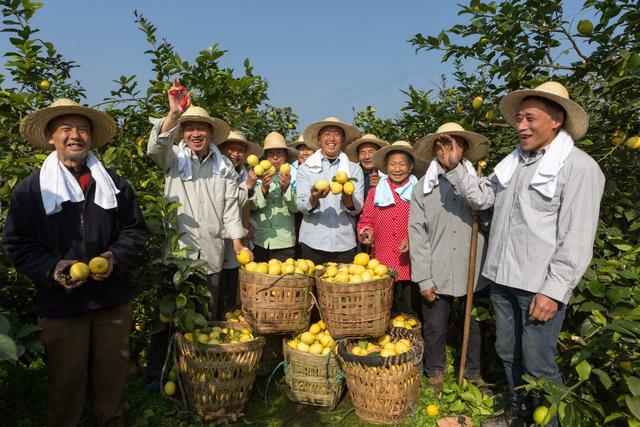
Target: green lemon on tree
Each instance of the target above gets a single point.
(541, 415)
(585, 27)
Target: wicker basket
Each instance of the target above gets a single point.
(355, 310)
(383, 390)
(312, 379)
(218, 379)
(276, 304)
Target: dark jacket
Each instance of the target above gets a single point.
(36, 242)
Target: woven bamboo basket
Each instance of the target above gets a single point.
(276, 304)
(218, 379)
(312, 379)
(384, 390)
(355, 310)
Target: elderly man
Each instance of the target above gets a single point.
(203, 180)
(439, 235)
(73, 209)
(327, 232)
(546, 197)
(362, 151)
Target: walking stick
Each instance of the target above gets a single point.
(471, 275)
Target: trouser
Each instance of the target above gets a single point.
(434, 330)
(89, 347)
(525, 346)
(320, 257)
(410, 302)
(228, 290)
(261, 254)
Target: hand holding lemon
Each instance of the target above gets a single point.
(101, 266)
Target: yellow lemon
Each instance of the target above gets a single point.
(385, 352)
(245, 338)
(244, 257)
(399, 324)
(315, 329)
(274, 269)
(326, 340)
(302, 347)
(45, 84)
(321, 185)
(381, 270)
(322, 325)
(170, 388)
(390, 346)
(203, 339)
(252, 160)
(273, 261)
(482, 164)
(336, 188)
(285, 169)
(272, 170)
(367, 276)
(263, 268)
(341, 277)
(331, 271)
(633, 142)
(292, 343)
(356, 278)
(258, 170)
(98, 265)
(401, 347)
(288, 269)
(326, 350)
(386, 338)
(477, 102)
(307, 338)
(361, 259)
(373, 263)
(251, 267)
(79, 271)
(357, 351)
(348, 188)
(290, 261)
(341, 177)
(302, 265)
(490, 115)
(316, 348)
(266, 164)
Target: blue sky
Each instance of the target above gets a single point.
(320, 58)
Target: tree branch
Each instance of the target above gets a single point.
(573, 42)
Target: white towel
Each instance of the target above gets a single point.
(315, 162)
(58, 185)
(221, 165)
(384, 196)
(431, 177)
(545, 178)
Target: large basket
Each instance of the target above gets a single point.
(312, 379)
(218, 379)
(356, 310)
(276, 304)
(383, 390)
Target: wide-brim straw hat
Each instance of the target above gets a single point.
(219, 128)
(478, 144)
(300, 141)
(251, 147)
(419, 165)
(275, 140)
(369, 138)
(310, 134)
(33, 128)
(576, 121)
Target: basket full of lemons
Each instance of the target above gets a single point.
(355, 299)
(276, 296)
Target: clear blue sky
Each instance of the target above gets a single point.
(321, 58)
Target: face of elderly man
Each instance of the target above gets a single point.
(365, 154)
(537, 123)
(197, 136)
(234, 151)
(71, 137)
(330, 139)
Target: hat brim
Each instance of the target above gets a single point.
(419, 165)
(292, 153)
(352, 149)
(478, 145)
(219, 128)
(297, 144)
(310, 134)
(251, 147)
(576, 121)
(33, 128)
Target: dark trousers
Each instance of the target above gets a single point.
(89, 347)
(410, 301)
(320, 257)
(261, 254)
(434, 330)
(228, 290)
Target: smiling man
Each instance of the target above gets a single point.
(362, 151)
(546, 198)
(73, 209)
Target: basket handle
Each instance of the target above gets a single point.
(272, 284)
(315, 302)
(171, 351)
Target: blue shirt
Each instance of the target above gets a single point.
(330, 226)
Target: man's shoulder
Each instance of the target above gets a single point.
(581, 161)
(29, 184)
(355, 167)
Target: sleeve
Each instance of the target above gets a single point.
(289, 198)
(419, 245)
(231, 218)
(303, 192)
(577, 225)
(20, 241)
(160, 145)
(259, 201)
(478, 192)
(358, 194)
(368, 211)
(133, 230)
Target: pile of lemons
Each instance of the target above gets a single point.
(340, 183)
(315, 340)
(219, 335)
(234, 316)
(363, 269)
(405, 321)
(276, 267)
(384, 347)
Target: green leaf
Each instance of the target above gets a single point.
(584, 370)
(26, 330)
(199, 320)
(604, 378)
(633, 383)
(8, 350)
(167, 306)
(633, 403)
(4, 325)
(181, 301)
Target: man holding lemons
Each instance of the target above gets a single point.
(329, 207)
(74, 228)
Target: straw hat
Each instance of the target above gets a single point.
(310, 134)
(275, 140)
(478, 144)
(419, 165)
(369, 138)
(33, 128)
(300, 141)
(251, 147)
(219, 128)
(576, 121)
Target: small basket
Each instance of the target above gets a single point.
(384, 390)
(312, 379)
(417, 330)
(355, 310)
(276, 304)
(218, 379)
